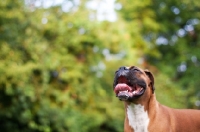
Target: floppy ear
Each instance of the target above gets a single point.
(150, 75)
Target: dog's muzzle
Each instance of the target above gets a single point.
(127, 85)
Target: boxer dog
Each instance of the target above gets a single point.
(143, 113)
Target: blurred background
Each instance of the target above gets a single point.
(58, 59)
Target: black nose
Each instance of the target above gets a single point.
(123, 68)
(122, 71)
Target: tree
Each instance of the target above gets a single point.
(52, 64)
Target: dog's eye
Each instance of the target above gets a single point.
(135, 69)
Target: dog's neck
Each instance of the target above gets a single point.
(136, 117)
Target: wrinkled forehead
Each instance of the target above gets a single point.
(141, 73)
(135, 67)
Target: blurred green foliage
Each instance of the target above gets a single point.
(57, 67)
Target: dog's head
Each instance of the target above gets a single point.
(131, 83)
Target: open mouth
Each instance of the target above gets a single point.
(125, 91)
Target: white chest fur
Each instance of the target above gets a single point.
(137, 118)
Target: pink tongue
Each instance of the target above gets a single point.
(122, 87)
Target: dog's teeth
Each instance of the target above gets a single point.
(123, 91)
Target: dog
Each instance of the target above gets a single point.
(143, 113)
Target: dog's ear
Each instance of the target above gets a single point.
(150, 75)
